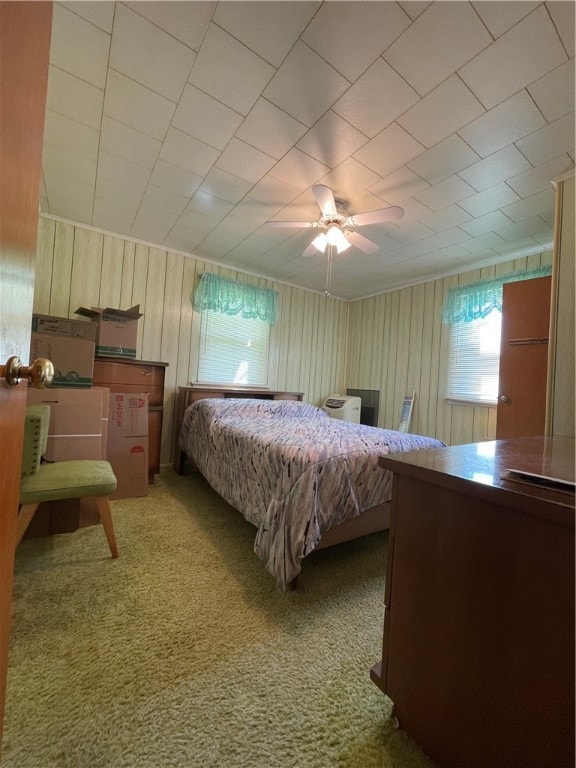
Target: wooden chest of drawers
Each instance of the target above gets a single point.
(138, 377)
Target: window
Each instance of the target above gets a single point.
(233, 349)
(475, 359)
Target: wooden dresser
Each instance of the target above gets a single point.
(189, 395)
(478, 647)
(138, 377)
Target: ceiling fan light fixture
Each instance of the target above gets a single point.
(320, 242)
(334, 236)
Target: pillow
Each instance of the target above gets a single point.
(252, 407)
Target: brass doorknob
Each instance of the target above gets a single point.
(504, 399)
(39, 374)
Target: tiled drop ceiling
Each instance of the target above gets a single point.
(189, 125)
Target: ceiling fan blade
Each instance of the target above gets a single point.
(362, 242)
(325, 199)
(293, 224)
(376, 217)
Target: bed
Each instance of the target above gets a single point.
(303, 479)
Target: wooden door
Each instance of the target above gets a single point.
(521, 408)
(24, 53)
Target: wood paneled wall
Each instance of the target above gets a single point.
(397, 343)
(77, 266)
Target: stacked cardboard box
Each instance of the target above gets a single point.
(69, 344)
(78, 422)
(127, 446)
(116, 329)
(78, 430)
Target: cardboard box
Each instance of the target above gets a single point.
(64, 326)
(73, 358)
(127, 447)
(117, 329)
(78, 421)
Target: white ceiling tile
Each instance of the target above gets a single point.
(485, 224)
(413, 209)
(183, 238)
(115, 193)
(137, 106)
(417, 248)
(60, 162)
(205, 118)
(70, 96)
(186, 22)
(148, 55)
(210, 206)
(546, 143)
(453, 236)
(270, 129)
(554, 93)
(453, 216)
(298, 170)
(72, 206)
(244, 161)
(196, 222)
(446, 109)
(111, 216)
(225, 185)
(562, 14)
(448, 157)
(123, 172)
(269, 29)
(441, 195)
(517, 247)
(98, 12)
(273, 191)
(414, 7)
(79, 47)
(489, 200)
(71, 135)
(399, 186)
(524, 228)
(536, 205)
(482, 243)
(390, 149)
(175, 179)
(349, 179)
(331, 140)
(337, 28)
(498, 167)
(376, 99)
(503, 125)
(412, 231)
(538, 179)
(186, 152)
(442, 39)
(163, 200)
(123, 141)
(152, 225)
(305, 86)
(528, 51)
(500, 16)
(230, 72)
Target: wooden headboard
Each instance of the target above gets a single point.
(189, 395)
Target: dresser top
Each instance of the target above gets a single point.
(129, 360)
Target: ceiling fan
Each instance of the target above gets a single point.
(338, 229)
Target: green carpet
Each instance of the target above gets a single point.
(182, 653)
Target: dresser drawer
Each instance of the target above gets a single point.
(135, 373)
(155, 394)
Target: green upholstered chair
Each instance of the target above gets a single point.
(62, 479)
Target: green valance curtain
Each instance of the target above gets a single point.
(232, 298)
(476, 300)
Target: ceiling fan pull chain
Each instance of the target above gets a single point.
(329, 253)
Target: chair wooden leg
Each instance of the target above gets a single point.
(103, 505)
(25, 515)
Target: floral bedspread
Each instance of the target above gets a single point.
(290, 469)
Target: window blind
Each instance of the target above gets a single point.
(474, 362)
